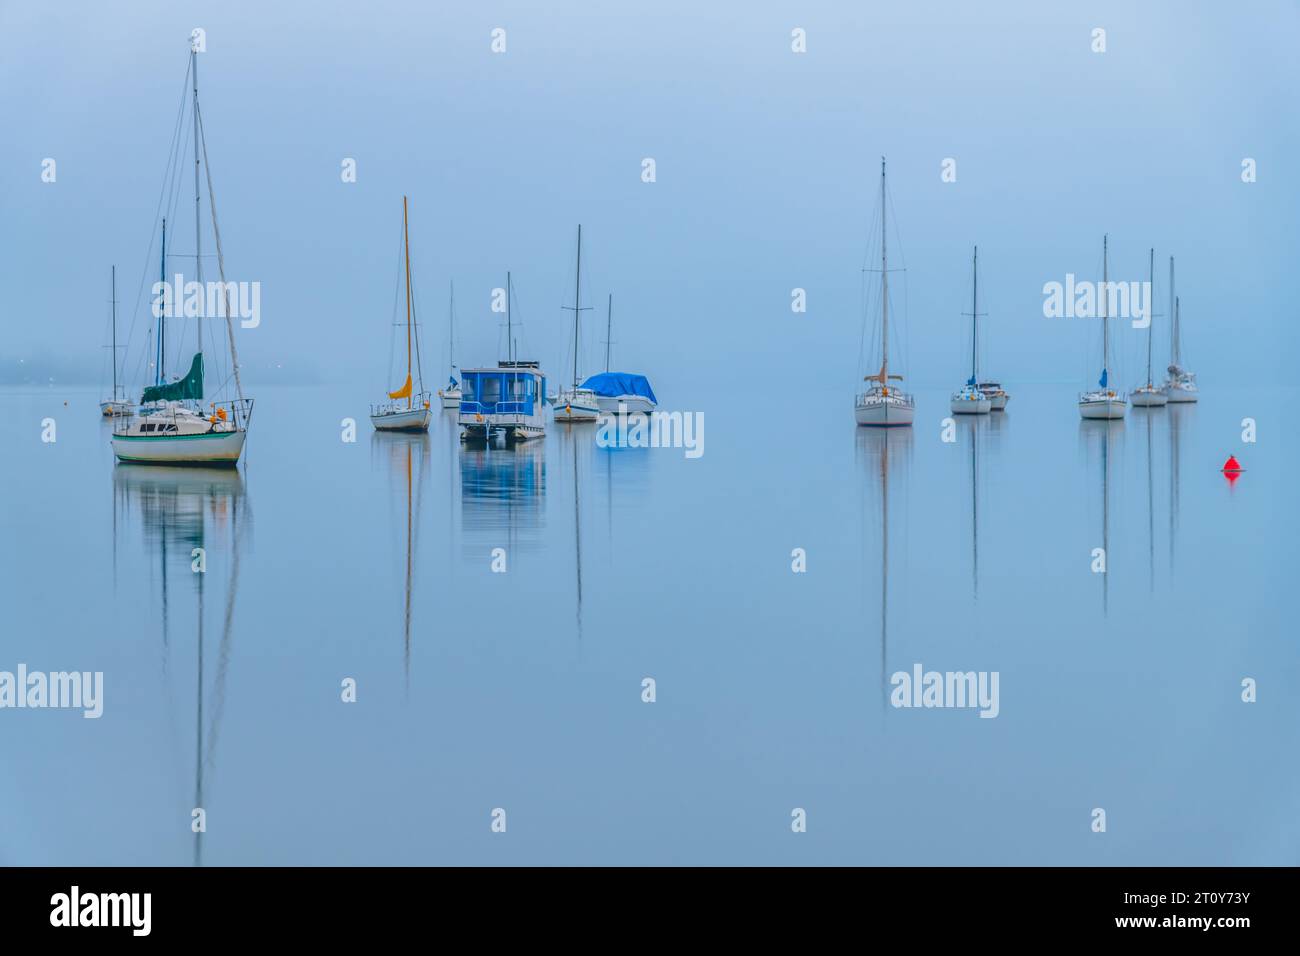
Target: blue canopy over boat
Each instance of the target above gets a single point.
(614, 384)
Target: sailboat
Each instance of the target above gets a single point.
(576, 404)
(971, 400)
(450, 393)
(414, 414)
(881, 404)
(1103, 401)
(171, 425)
(117, 403)
(1149, 395)
(1181, 384)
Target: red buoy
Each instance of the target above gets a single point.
(1232, 466)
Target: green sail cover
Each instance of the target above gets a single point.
(191, 386)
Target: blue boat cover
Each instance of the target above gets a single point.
(613, 384)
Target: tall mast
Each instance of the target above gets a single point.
(1151, 273)
(221, 261)
(510, 332)
(198, 250)
(974, 310)
(162, 319)
(609, 318)
(114, 333)
(1173, 325)
(406, 242)
(577, 305)
(884, 286)
(1105, 300)
(451, 327)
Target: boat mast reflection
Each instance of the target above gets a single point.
(884, 452)
(199, 518)
(399, 450)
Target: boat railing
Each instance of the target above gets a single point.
(394, 406)
(1102, 395)
(500, 408)
(876, 392)
(233, 415)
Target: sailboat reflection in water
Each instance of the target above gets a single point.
(194, 520)
(407, 458)
(883, 454)
(1101, 439)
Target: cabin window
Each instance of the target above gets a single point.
(490, 393)
(516, 388)
(468, 388)
(146, 428)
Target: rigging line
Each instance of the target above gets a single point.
(221, 259)
(397, 295)
(904, 334)
(170, 211)
(515, 319)
(153, 226)
(415, 324)
(223, 658)
(869, 299)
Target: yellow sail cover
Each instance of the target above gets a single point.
(404, 391)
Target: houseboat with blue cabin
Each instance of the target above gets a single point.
(508, 401)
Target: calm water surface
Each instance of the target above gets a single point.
(522, 690)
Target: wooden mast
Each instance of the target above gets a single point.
(406, 240)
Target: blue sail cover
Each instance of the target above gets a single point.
(1104, 377)
(614, 384)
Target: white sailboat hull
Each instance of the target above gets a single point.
(212, 448)
(450, 399)
(579, 405)
(998, 403)
(576, 413)
(1144, 398)
(403, 420)
(1178, 392)
(1104, 408)
(884, 412)
(975, 406)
